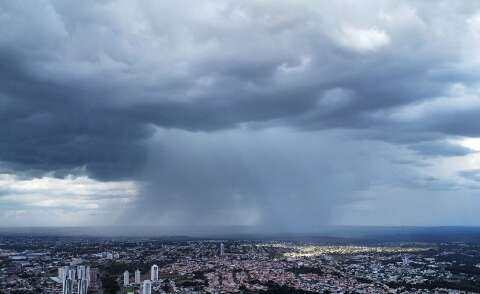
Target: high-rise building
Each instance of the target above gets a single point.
(87, 275)
(67, 287)
(154, 273)
(126, 278)
(147, 287)
(74, 275)
(82, 286)
(93, 276)
(405, 261)
(81, 272)
(71, 274)
(61, 273)
(222, 249)
(137, 277)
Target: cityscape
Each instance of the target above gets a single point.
(120, 265)
(239, 146)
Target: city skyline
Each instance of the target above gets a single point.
(282, 115)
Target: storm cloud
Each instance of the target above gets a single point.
(283, 113)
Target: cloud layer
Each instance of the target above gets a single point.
(61, 201)
(242, 112)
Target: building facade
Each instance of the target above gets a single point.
(126, 278)
(154, 273)
(137, 277)
(147, 287)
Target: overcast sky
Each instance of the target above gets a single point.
(280, 114)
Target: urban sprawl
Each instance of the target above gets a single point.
(74, 265)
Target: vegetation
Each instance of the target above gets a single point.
(464, 285)
(306, 270)
(363, 280)
(110, 285)
(277, 289)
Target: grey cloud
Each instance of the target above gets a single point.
(438, 148)
(261, 177)
(472, 174)
(90, 100)
(411, 162)
(433, 184)
(86, 86)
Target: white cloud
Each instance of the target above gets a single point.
(363, 40)
(71, 199)
(472, 143)
(474, 23)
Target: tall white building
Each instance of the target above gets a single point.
(74, 276)
(67, 287)
(222, 249)
(61, 273)
(137, 277)
(82, 286)
(154, 273)
(126, 278)
(87, 275)
(147, 287)
(71, 274)
(405, 261)
(81, 271)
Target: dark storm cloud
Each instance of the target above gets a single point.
(254, 177)
(77, 91)
(85, 86)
